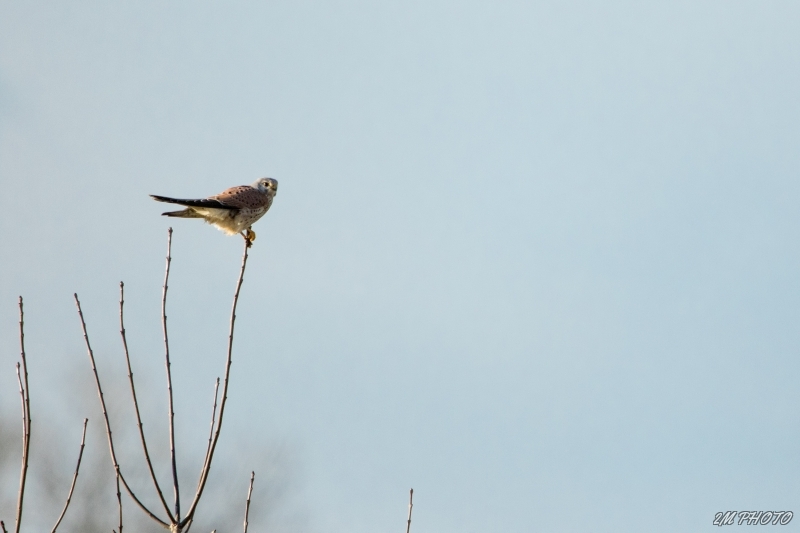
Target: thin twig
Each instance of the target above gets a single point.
(3, 526)
(136, 403)
(23, 473)
(169, 380)
(247, 505)
(210, 439)
(26, 417)
(119, 501)
(207, 465)
(108, 424)
(74, 477)
(410, 506)
(213, 419)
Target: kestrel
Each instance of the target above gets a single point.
(233, 210)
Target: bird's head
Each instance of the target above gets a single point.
(267, 186)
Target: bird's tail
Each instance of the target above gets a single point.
(185, 213)
(166, 199)
(201, 202)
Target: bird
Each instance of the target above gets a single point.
(234, 210)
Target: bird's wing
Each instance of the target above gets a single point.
(241, 197)
(203, 202)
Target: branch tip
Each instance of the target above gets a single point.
(168, 365)
(410, 506)
(247, 504)
(74, 477)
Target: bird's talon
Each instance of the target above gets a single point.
(249, 237)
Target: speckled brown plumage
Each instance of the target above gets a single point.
(233, 210)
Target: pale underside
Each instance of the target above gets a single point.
(230, 221)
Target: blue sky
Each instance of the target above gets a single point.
(538, 261)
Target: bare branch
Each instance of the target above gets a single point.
(410, 506)
(169, 380)
(207, 465)
(108, 424)
(74, 477)
(247, 505)
(211, 431)
(23, 473)
(136, 403)
(3, 526)
(119, 502)
(26, 417)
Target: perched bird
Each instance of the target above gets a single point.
(233, 210)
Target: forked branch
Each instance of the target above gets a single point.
(175, 523)
(188, 523)
(136, 403)
(74, 477)
(169, 380)
(210, 455)
(117, 469)
(213, 415)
